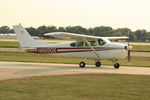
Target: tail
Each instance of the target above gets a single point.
(25, 40)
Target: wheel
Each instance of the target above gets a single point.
(97, 64)
(116, 65)
(82, 64)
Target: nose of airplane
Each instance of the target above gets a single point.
(128, 47)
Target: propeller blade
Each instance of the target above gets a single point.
(129, 57)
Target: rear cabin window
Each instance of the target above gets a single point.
(93, 43)
(77, 44)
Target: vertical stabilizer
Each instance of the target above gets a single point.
(25, 40)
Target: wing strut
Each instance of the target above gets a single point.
(91, 47)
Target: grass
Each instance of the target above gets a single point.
(77, 87)
(43, 58)
(142, 48)
(11, 44)
(14, 44)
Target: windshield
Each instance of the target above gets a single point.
(101, 42)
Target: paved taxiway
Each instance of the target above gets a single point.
(9, 70)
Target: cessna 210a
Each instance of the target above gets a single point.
(83, 46)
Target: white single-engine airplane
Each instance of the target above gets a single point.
(83, 46)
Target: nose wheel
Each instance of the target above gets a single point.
(82, 64)
(116, 65)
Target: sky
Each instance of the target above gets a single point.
(133, 14)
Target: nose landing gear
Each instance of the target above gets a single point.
(82, 64)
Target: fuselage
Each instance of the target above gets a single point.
(79, 49)
(84, 46)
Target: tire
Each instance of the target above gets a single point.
(97, 64)
(116, 65)
(82, 64)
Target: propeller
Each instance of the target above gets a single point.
(129, 56)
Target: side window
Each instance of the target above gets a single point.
(93, 43)
(79, 44)
(72, 44)
(101, 42)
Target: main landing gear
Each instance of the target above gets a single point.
(82, 64)
(116, 65)
(98, 64)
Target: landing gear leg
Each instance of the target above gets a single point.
(82, 64)
(116, 65)
(98, 64)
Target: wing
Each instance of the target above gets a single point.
(77, 37)
(65, 35)
(117, 38)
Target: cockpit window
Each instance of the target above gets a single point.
(73, 44)
(101, 42)
(93, 43)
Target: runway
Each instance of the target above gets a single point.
(13, 70)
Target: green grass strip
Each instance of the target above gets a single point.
(77, 87)
(142, 48)
(10, 44)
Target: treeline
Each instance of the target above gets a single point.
(138, 35)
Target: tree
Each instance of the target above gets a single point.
(41, 30)
(32, 31)
(61, 29)
(148, 37)
(77, 29)
(51, 29)
(122, 32)
(4, 29)
(102, 31)
(138, 35)
(132, 37)
(141, 35)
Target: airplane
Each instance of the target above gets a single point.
(82, 46)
